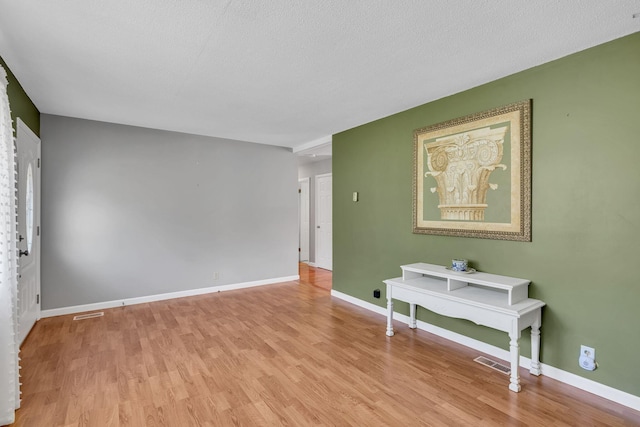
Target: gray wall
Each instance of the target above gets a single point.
(130, 212)
(310, 170)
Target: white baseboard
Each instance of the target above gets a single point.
(160, 297)
(574, 380)
(311, 264)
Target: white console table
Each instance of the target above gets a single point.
(498, 302)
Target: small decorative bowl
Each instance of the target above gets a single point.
(459, 264)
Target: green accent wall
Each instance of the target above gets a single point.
(20, 103)
(585, 214)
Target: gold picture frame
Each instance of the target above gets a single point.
(472, 175)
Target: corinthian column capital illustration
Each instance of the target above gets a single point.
(461, 165)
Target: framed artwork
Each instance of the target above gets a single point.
(472, 175)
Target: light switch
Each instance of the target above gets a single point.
(355, 196)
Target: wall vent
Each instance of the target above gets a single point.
(493, 364)
(89, 315)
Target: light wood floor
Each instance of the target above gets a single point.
(285, 354)
(315, 276)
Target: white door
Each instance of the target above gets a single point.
(28, 146)
(324, 224)
(304, 218)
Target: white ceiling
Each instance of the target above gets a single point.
(317, 153)
(282, 72)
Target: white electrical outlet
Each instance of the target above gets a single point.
(216, 275)
(587, 359)
(588, 351)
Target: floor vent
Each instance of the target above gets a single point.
(89, 315)
(492, 364)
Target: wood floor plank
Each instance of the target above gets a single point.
(280, 355)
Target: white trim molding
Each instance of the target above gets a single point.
(574, 380)
(160, 297)
(312, 144)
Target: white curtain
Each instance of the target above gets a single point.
(9, 385)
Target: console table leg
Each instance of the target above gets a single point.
(412, 316)
(389, 312)
(514, 382)
(535, 347)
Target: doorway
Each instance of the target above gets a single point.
(303, 219)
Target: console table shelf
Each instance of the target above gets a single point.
(494, 301)
(515, 289)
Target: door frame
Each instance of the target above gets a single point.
(302, 182)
